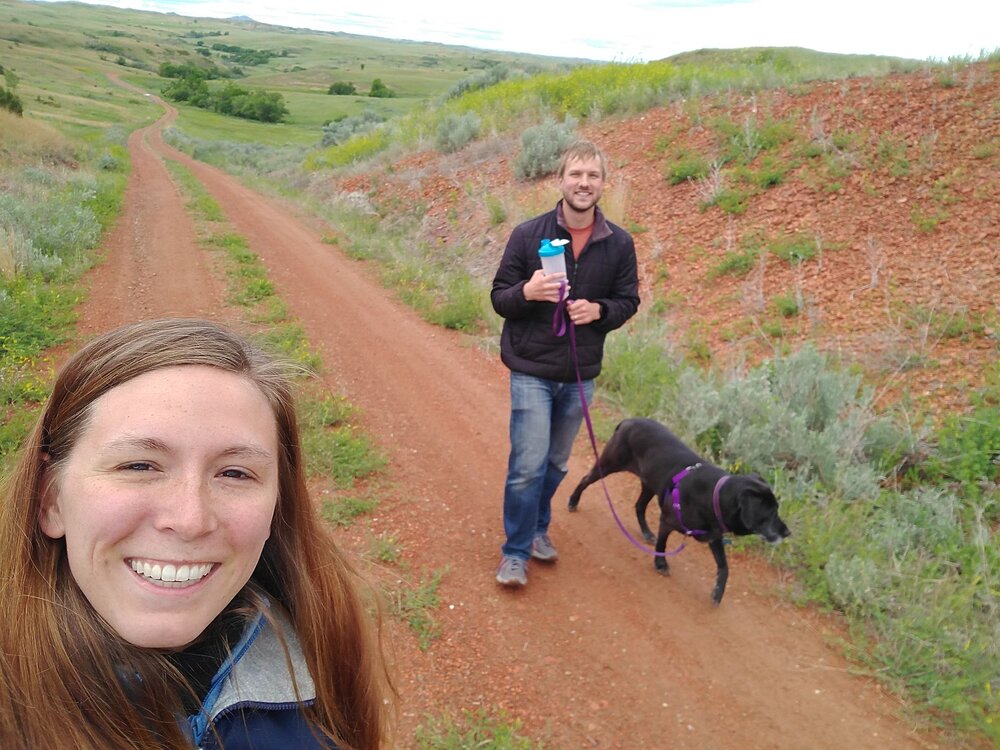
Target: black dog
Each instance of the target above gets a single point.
(709, 504)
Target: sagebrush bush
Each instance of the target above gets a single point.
(640, 371)
(457, 130)
(338, 131)
(46, 218)
(255, 159)
(542, 146)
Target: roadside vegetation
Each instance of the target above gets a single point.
(344, 466)
(51, 219)
(895, 512)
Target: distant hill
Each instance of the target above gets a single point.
(63, 52)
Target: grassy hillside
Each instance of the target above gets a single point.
(62, 53)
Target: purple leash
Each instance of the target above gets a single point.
(559, 329)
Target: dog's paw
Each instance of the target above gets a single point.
(663, 570)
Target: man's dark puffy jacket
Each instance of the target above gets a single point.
(605, 273)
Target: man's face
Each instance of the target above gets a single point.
(582, 183)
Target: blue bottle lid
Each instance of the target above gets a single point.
(551, 247)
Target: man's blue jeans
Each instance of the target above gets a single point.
(545, 416)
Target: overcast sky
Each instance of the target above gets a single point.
(637, 30)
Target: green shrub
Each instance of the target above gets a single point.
(735, 263)
(542, 147)
(640, 373)
(457, 130)
(968, 449)
(770, 173)
(786, 305)
(793, 248)
(732, 201)
(342, 88)
(498, 212)
(380, 90)
(11, 102)
(685, 166)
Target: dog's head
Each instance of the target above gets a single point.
(759, 510)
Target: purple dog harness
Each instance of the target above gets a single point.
(675, 494)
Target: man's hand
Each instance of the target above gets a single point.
(542, 288)
(582, 311)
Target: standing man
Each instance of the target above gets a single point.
(546, 411)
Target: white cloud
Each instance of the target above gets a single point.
(639, 30)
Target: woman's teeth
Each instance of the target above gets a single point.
(171, 576)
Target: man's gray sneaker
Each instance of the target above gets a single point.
(513, 571)
(542, 549)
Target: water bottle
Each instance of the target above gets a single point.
(553, 256)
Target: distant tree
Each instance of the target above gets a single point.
(266, 106)
(342, 88)
(190, 89)
(230, 100)
(187, 70)
(380, 90)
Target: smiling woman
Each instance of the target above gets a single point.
(166, 583)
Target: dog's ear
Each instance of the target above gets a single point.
(758, 485)
(749, 504)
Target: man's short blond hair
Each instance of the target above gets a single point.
(583, 150)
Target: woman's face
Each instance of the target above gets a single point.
(166, 500)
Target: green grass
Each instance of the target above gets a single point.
(793, 248)
(734, 263)
(480, 729)
(335, 450)
(50, 221)
(413, 603)
(385, 548)
(343, 509)
(786, 305)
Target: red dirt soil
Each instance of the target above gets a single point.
(598, 651)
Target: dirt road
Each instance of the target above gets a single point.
(598, 651)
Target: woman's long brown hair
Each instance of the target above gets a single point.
(66, 678)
